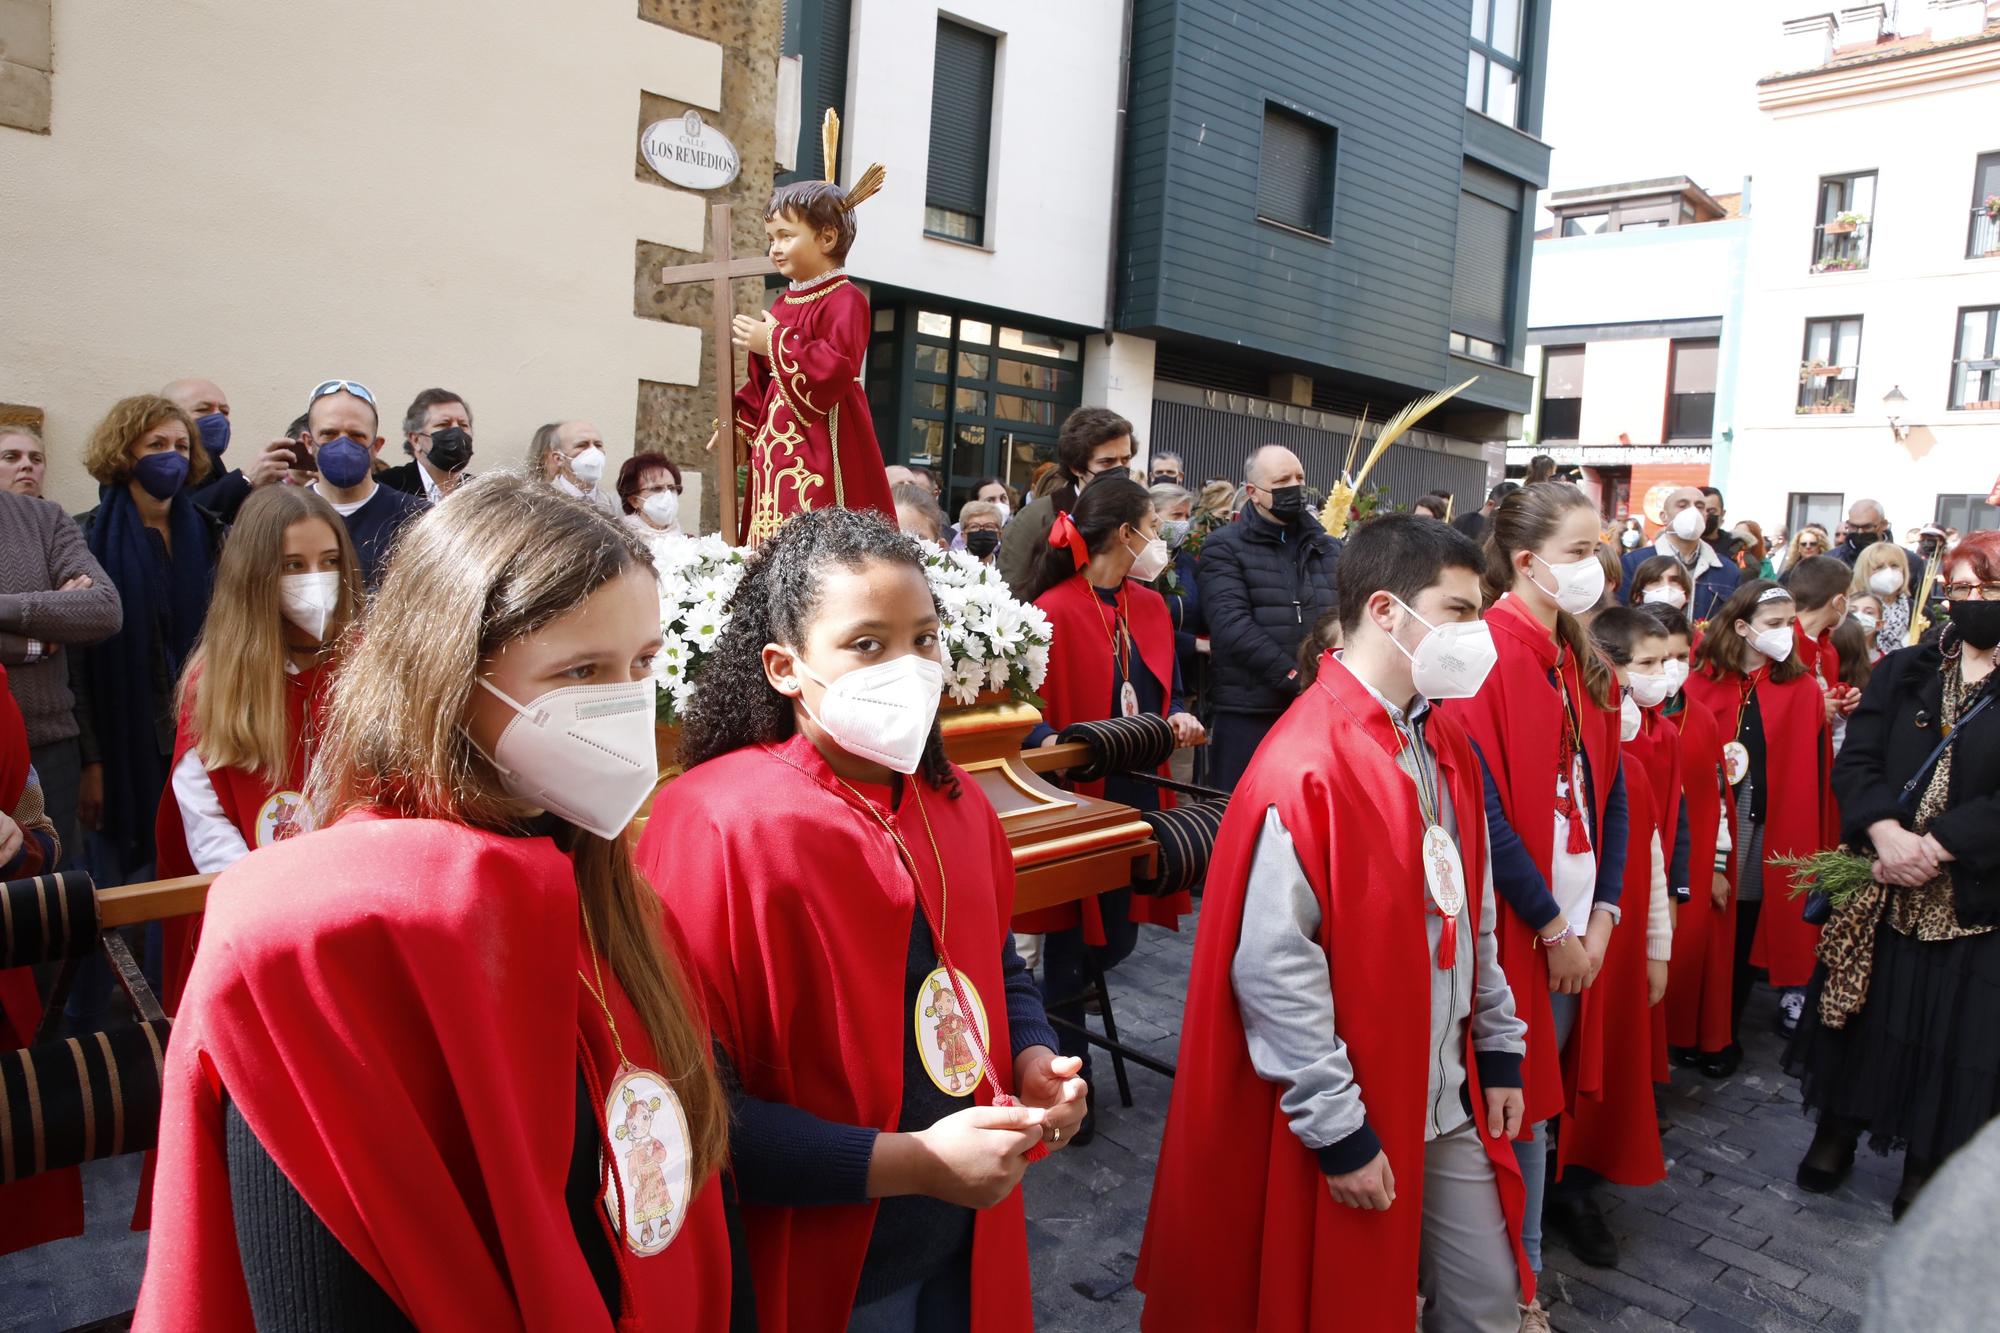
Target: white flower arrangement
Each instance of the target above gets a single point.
(992, 643)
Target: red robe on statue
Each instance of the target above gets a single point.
(395, 1007)
(812, 440)
(1699, 981)
(797, 910)
(1078, 688)
(1243, 1233)
(1800, 816)
(1517, 722)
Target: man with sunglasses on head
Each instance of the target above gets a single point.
(342, 439)
(437, 434)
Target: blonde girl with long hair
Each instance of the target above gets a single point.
(417, 1038)
(286, 588)
(1884, 572)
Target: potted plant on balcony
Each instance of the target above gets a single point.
(1814, 370)
(1839, 264)
(1844, 224)
(1992, 207)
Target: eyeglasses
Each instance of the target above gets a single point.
(338, 386)
(1963, 592)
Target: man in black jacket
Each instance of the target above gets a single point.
(437, 435)
(1264, 580)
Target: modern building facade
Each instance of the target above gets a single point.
(1871, 346)
(1633, 325)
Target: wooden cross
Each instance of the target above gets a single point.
(719, 272)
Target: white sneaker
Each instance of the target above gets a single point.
(1534, 1319)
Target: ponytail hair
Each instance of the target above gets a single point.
(1522, 522)
(1106, 505)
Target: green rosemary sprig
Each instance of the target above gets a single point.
(1839, 873)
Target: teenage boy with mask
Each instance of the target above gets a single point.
(1349, 1029)
(437, 434)
(569, 455)
(342, 438)
(1264, 581)
(1713, 576)
(225, 492)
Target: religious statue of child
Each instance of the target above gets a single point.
(802, 410)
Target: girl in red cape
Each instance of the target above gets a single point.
(1546, 728)
(409, 1035)
(1339, 1141)
(835, 876)
(287, 585)
(1698, 982)
(1778, 757)
(1111, 654)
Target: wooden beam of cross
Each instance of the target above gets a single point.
(719, 272)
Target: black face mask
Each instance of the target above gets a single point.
(451, 449)
(1165, 479)
(1714, 526)
(1860, 539)
(1978, 623)
(1288, 502)
(982, 543)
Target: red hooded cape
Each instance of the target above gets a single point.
(394, 1006)
(1243, 1233)
(797, 910)
(1617, 1133)
(48, 1206)
(1658, 747)
(1078, 689)
(244, 796)
(1800, 816)
(1822, 659)
(1699, 979)
(1517, 721)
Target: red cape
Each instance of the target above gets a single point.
(1516, 720)
(435, 1151)
(1243, 1233)
(1078, 689)
(1822, 659)
(1658, 748)
(1617, 1133)
(797, 912)
(1800, 816)
(1700, 976)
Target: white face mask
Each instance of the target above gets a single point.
(1666, 594)
(309, 600)
(662, 510)
(1651, 691)
(1886, 582)
(1677, 675)
(882, 712)
(587, 466)
(583, 752)
(1579, 583)
(1630, 538)
(1146, 565)
(1629, 718)
(1775, 644)
(1867, 621)
(1005, 511)
(1690, 523)
(1453, 660)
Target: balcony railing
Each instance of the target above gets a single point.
(1828, 393)
(1840, 247)
(1984, 242)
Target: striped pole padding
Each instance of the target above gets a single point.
(47, 918)
(63, 1103)
(1122, 745)
(1186, 835)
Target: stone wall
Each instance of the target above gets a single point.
(27, 58)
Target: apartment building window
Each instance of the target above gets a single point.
(1845, 222)
(1562, 393)
(1295, 172)
(1587, 224)
(1975, 363)
(1482, 282)
(961, 133)
(1967, 513)
(1983, 242)
(1493, 68)
(1691, 389)
(1831, 365)
(1825, 508)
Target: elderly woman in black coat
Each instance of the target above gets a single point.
(1901, 1035)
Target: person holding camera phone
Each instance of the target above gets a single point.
(341, 444)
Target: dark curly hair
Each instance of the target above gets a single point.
(733, 704)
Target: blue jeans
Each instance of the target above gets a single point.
(1533, 1152)
(941, 1303)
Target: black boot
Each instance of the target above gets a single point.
(1830, 1158)
(1724, 1062)
(1574, 1215)
(1916, 1174)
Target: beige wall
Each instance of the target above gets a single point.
(404, 194)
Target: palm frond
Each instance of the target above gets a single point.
(1395, 426)
(829, 143)
(864, 189)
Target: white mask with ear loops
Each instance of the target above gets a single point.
(584, 753)
(1579, 583)
(882, 712)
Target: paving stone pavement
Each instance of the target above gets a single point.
(1726, 1243)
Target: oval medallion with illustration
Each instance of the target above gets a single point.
(650, 1153)
(280, 817)
(944, 1034)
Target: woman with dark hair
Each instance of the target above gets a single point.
(1901, 1034)
(649, 499)
(159, 549)
(1541, 468)
(1776, 754)
(1095, 442)
(1546, 726)
(874, 1022)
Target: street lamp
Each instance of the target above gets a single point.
(1892, 403)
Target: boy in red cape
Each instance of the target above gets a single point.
(1339, 1139)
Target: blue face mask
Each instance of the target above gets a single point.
(214, 431)
(344, 461)
(161, 475)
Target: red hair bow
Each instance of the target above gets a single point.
(1064, 533)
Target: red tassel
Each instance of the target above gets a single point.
(1448, 945)
(1040, 1150)
(1579, 839)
